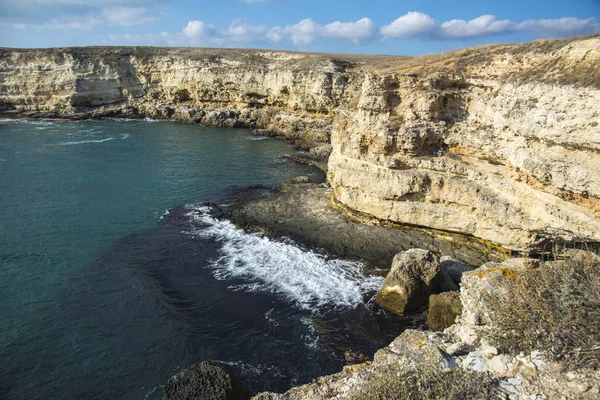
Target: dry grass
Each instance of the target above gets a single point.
(556, 309)
(427, 383)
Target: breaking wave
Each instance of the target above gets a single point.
(85, 142)
(307, 279)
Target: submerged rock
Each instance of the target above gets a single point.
(413, 277)
(444, 308)
(206, 381)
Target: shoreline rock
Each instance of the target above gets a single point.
(530, 375)
(205, 381)
(303, 212)
(413, 277)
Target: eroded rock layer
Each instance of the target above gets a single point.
(498, 142)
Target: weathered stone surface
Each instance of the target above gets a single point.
(205, 381)
(414, 275)
(454, 269)
(500, 143)
(304, 213)
(511, 163)
(444, 308)
(476, 287)
(414, 348)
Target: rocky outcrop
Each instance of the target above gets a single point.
(414, 275)
(476, 148)
(204, 381)
(500, 143)
(463, 346)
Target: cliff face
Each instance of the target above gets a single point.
(499, 142)
(293, 95)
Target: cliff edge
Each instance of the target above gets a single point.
(498, 142)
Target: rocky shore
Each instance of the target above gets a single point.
(498, 143)
(441, 169)
(307, 213)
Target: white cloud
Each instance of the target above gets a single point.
(418, 25)
(242, 32)
(355, 32)
(75, 14)
(561, 26)
(77, 23)
(303, 33)
(481, 26)
(411, 25)
(127, 16)
(276, 34)
(307, 31)
(199, 30)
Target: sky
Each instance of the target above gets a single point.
(361, 26)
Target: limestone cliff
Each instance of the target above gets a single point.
(498, 142)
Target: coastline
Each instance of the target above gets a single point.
(474, 157)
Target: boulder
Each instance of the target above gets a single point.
(205, 381)
(477, 287)
(414, 275)
(454, 269)
(413, 349)
(444, 308)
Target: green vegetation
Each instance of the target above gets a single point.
(427, 383)
(555, 309)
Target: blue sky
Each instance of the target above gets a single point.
(360, 26)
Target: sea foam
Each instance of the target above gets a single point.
(86, 141)
(310, 280)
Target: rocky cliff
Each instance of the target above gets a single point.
(498, 142)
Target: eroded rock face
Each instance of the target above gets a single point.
(414, 275)
(469, 152)
(501, 143)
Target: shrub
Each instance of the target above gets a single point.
(426, 383)
(555, 309)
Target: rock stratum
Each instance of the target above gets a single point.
(500, 143)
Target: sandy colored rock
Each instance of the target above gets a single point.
(444, 308)
(414, 275)
(497, 142)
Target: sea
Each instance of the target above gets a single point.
(115, 273)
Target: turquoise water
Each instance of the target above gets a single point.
(105, 294)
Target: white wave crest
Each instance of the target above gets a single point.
(43, 122)
(85, 141)
(306, 278)
(253, 370)
(258, 138)
(125, 135)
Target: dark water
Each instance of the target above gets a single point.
(107, 295)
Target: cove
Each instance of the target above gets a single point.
(115, 275)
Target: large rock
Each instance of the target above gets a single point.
(203, 382)
(413, 277)
(477, 285)
(454, 269)
(444, 308)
